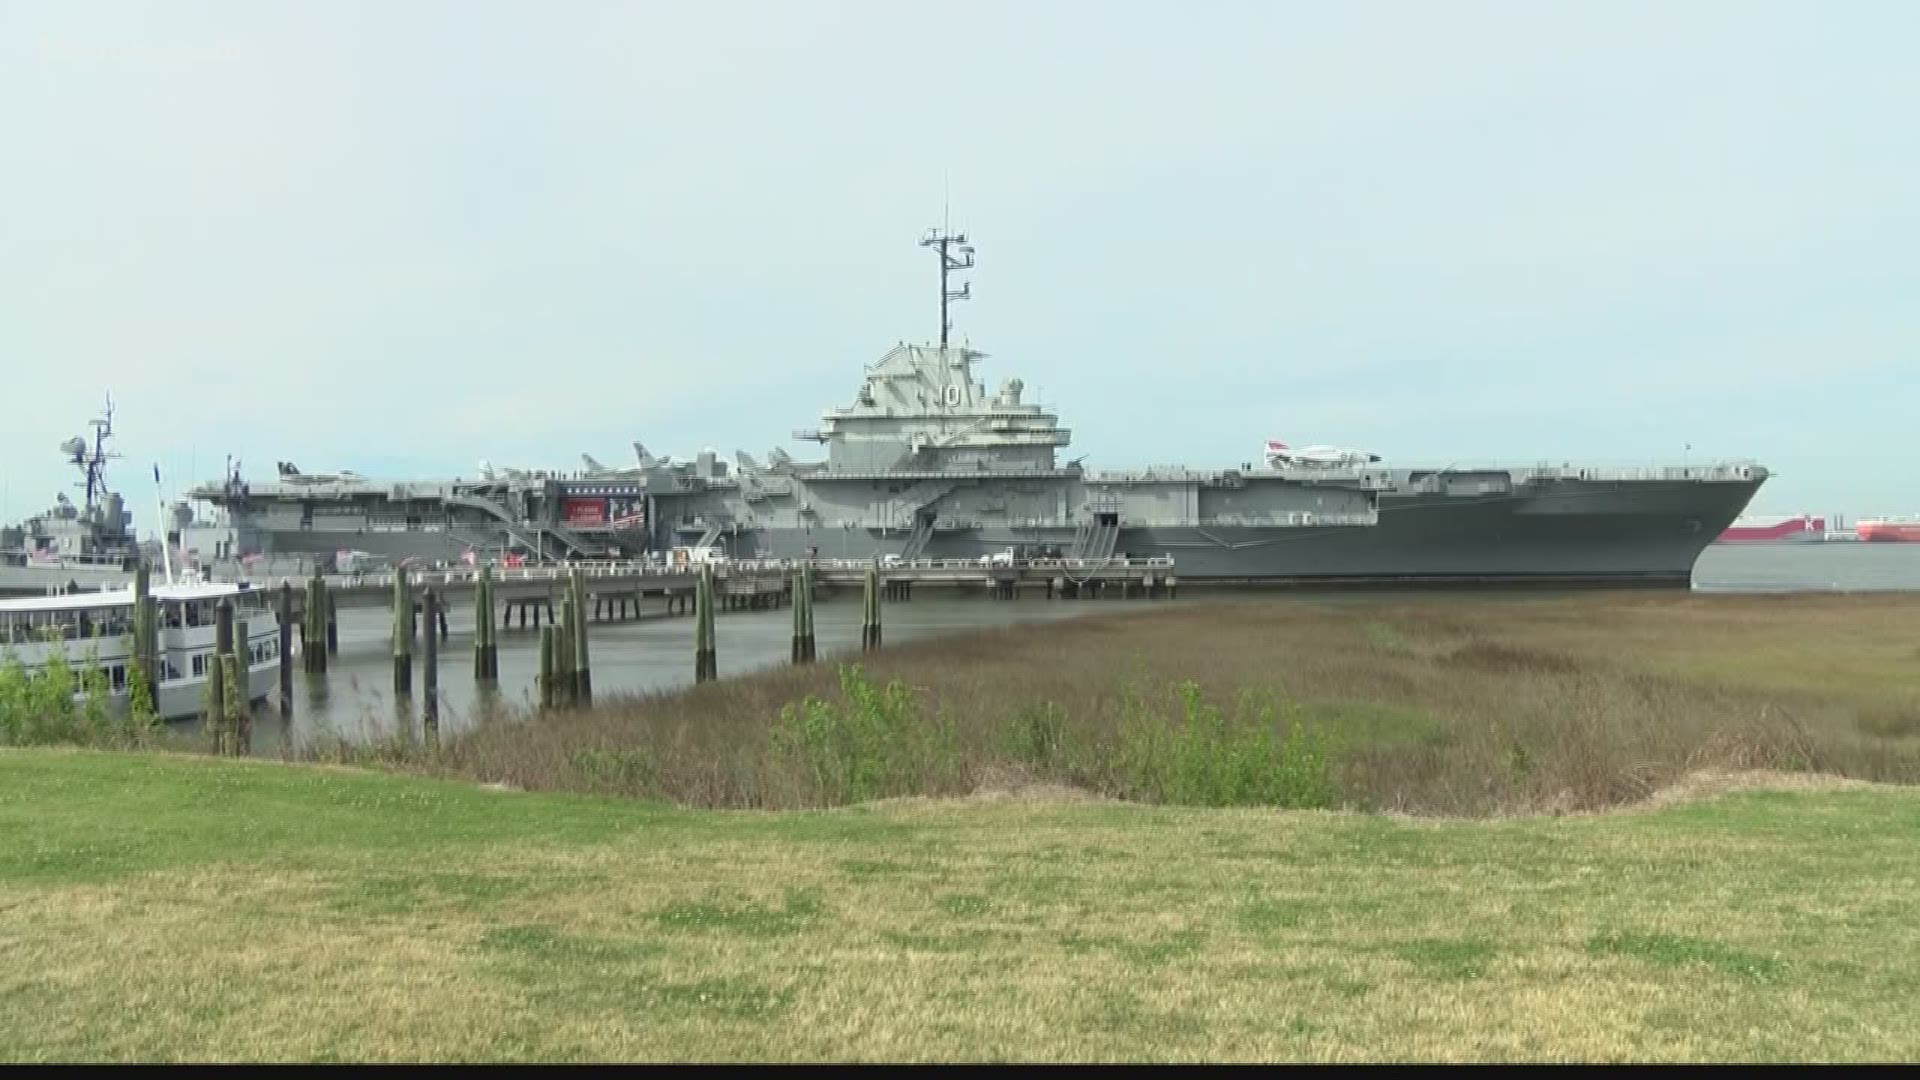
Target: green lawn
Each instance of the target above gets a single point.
(163, 907)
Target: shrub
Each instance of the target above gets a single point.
(61, 702)
(1036, 737)
(869, 744)
(1196, 754)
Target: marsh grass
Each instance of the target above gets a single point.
(1437, 705)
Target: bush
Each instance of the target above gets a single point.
(1196, 754)
(870, 744)
(62, 703)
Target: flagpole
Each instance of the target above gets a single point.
(160, 504)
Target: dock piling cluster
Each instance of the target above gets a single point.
(566, 668)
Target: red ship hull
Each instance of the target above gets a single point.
(1799, 529)
(1890, 531)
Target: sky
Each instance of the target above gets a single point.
(403, 237)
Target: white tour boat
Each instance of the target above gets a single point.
(97, 627)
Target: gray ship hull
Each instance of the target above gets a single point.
(1576, 531)
(1652, 535)
(1639, 533)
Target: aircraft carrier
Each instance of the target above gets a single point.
(925, 462)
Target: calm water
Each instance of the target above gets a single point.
(356, 700)
(1844, 567)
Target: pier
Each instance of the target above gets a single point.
(618, 591)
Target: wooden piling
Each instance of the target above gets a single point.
(870, 623)
(486, 654)
(799, 608)
(314, 627)
(240, 707)
(430, 669)
(333, 621)
(402, 633)
(806, 617)
(582, 664)
(286, 648)
(146, 644)
(563, 654)
(546, 680)
(705, 660)
(215, 722)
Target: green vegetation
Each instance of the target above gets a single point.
(59, 702)
(874, 742)
(181, 907)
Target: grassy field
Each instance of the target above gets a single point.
(1436, 704)
(175, 907)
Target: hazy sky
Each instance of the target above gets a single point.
(401, 237)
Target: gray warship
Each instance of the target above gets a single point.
(927, 463)
(88, 546)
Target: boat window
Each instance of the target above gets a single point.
(199, 664)
(119, 672)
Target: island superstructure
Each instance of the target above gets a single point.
(927, 462)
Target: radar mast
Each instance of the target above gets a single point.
(955, 254)
(92, 462)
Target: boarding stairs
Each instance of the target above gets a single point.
(1095, 539)
(516, 530)
(917, 540)
(908, 504)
